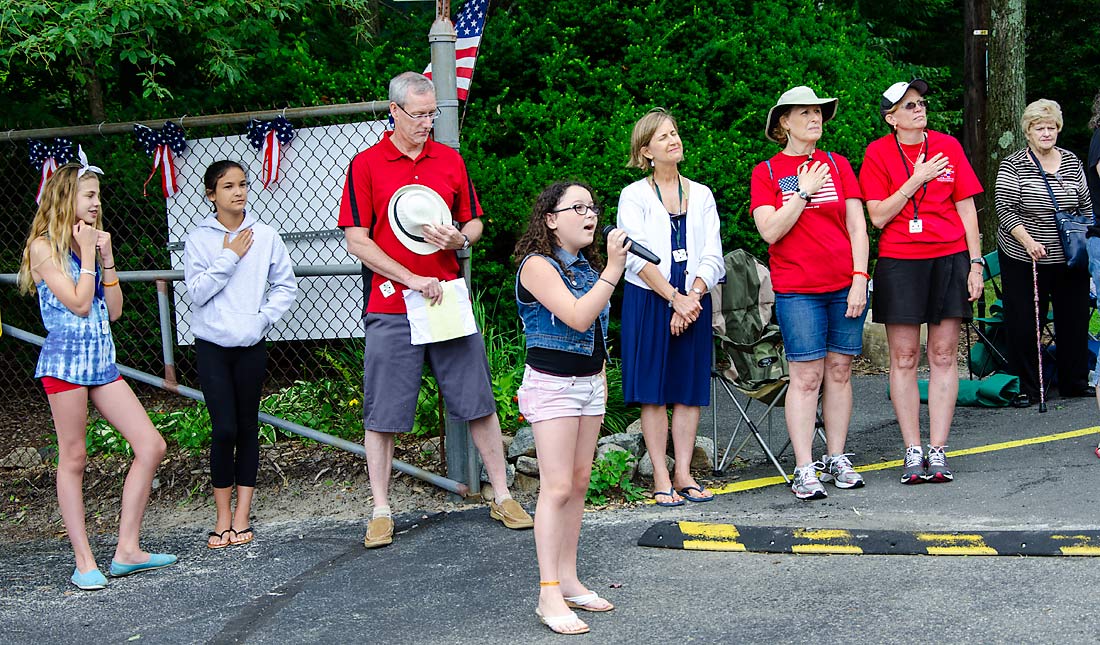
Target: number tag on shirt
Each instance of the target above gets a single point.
(679, 255)
(387, 288)
(916, 226)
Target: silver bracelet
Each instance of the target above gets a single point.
(88, 271)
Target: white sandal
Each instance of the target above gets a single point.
(585, 601)
(557, 623)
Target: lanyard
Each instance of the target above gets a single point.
(905, 164)
(680, 186)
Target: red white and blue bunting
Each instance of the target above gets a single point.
(47, 158)
(269, 137)
(161, 145)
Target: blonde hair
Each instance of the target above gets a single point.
(54, 221)
(643, 133)
(1041, 110)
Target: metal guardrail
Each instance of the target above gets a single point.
(168, 381)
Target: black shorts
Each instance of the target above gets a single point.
(911, 292)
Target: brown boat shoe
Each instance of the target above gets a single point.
(511, 514)
(379, 532)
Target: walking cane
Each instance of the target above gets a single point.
(1038, 335)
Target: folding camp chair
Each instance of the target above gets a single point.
(988, 354)
(750, 347)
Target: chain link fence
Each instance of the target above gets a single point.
(148, 231)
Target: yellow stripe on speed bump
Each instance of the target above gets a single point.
(749, 484)
(703, 536)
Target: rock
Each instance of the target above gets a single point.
(510, 472)
(523, 443)
(506, 440)
(430, 447)
(876, 350)
(23, 457)
(645, 465)
(527, 465)
(635, 428)
(632, 442)
(156, 483)
(702, 457)
(526, 484)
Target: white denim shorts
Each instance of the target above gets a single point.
(544, 396)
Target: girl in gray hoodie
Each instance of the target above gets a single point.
(240, 282)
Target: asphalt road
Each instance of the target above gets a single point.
(462, 578)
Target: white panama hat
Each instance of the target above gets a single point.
(410, 209)
(799, 95)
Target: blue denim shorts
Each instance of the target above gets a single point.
(813, 324)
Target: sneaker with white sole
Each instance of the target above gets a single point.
(914, 471)
(806, 485)
(937, 466)
(838, 469)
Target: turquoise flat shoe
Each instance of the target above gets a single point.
(155, 561)
(90, 581)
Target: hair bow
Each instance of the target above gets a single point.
(84, 167)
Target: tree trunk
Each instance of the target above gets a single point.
(94, 87)
(975, 41)
(1006, 92)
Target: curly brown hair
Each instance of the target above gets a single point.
(540, 239)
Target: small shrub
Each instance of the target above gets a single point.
(611, 474)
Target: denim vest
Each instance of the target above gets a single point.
(543, 329)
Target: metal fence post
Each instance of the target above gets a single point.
(463, 463)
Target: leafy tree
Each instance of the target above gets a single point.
(101, 45)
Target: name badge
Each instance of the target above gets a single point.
(104, 327)
(679, 255)
(916, 226)
(387, 288)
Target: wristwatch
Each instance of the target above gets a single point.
(980, 261)
(804, 195)
(465, 241)
(697, 291)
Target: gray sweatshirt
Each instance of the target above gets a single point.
(235, 300)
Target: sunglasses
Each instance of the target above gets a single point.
(912, 105)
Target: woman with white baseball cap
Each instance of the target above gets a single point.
(919, 189)
(806, 205)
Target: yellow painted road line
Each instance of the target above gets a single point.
(749, 484)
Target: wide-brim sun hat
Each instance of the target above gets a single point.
(893, 94)
(413, 207)
(800, 95)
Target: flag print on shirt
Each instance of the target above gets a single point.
(826, 195)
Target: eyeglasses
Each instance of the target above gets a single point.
(581, 209)
(432, 116)
(912, 105)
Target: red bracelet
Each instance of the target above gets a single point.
(862, 273)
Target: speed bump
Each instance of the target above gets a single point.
(704, 536)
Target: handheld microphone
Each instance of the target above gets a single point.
(635, 248)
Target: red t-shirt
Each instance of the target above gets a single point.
(885, 170)
(815, 256)
(374, 176)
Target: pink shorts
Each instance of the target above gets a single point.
(544, 396)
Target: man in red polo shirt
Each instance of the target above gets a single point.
(392, 365)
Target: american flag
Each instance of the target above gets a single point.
(469, 24)
(827, 194)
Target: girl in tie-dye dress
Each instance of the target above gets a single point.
(70, 263)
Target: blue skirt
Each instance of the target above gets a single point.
(659, 368)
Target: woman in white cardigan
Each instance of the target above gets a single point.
(667, 343)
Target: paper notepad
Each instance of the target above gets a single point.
(451, 318)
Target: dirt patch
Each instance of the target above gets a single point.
(297, 479)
